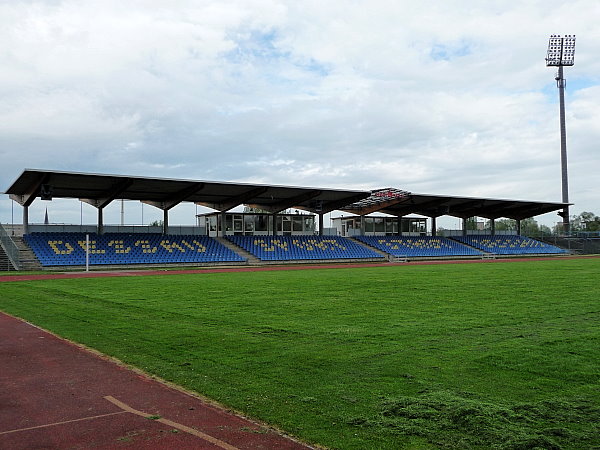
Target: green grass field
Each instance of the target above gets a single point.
(490, 355)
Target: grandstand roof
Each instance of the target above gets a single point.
(401, 203)
(100, 189)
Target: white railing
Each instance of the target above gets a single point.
(10, 248)
(398, 258)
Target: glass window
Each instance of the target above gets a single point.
(248, 223)
(406, 225)
(260, 223)
(297, 223)
(287, 223)
(391, 226)
(238, 223)
(309, 224)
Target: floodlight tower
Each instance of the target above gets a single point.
(561, 52)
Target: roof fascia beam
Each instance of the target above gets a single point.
(502, 210)
(337, 204)
(527, 211)
(111, 194)
(290, 202)
(33, 191)
(176, 198)
(466, 210)
(400, 212)
(235, 200)
(432, 208)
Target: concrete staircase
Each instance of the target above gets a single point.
(239, 250)
(27, 258)
(370, 247)
(5, 264)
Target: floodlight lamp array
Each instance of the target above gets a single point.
(561, 50)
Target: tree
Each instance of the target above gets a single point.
(504, 225)
(545, 229)
(586, 221)
(530, 227)
(157, 223)
(471, 223)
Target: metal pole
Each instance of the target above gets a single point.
(560, 81)
(87, 252)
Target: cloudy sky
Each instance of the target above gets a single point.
(442, 97)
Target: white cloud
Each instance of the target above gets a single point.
(434, 97)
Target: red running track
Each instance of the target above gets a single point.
(56, 395)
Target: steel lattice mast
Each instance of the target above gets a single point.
(561, 52)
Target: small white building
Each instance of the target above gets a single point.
(257, 224)
(379, 226)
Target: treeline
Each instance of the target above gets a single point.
(586, 221)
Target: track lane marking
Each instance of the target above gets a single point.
(200, 434)
(61, 423)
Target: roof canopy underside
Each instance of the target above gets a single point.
(99, 190)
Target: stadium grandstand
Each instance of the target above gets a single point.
(278, 224)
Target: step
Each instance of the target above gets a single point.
(250, 258)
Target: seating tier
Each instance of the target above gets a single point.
(509, 245)
(418, 246)
(287, 248)
(68, 249)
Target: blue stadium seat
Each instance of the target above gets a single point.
(509, 245)
(418, 246)
(290, 248)
(68, 249)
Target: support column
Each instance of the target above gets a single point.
(399, 224)
(165, 221)
(434, 226)
(320, 224)
(493, 226)
(25, 219)
(464, 226)
(221, 229)
(362, 225)
(274, 224)
(100, 229)
(518, 226)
